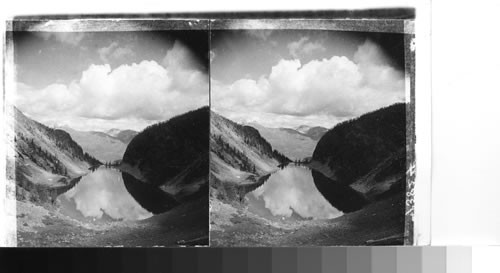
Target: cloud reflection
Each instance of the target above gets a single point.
(292, 189)
(103, 192)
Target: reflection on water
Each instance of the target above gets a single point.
(341, 196)
(102, 195)
(149, 197)
(290, 195)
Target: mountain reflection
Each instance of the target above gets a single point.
(340, 196)
(102, 193)
(106, 194)
(291, 193)
(149, 197)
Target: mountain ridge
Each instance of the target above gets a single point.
(368, 152)
(124, 136)
(42, 157)
(239, 150)
(173, 154)
(104, 147)
(291, 142)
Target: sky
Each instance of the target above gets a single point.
(96, 81)
(288, 78)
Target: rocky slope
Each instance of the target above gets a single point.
(42, 157)
(238, 151)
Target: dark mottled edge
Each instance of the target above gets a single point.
(376, 13)
(54, 23)
(364, 25)
(409, 42)
(9, 213)
(102, 25)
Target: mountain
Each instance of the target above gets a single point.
(238, 150)
(303, 129)
(173, 155)
(368, 153)
(43, 156)
(104, 147)
(113, 132)
(316, 132)
(290, 142)
(296, 143)
(124, 136)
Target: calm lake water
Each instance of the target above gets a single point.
(107, 194)
(290, 194)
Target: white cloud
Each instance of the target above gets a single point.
(144, 92)
(337, 88)
(304, 47)
(114, 52)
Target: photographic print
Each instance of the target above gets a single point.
(108, 132)
(311, 133)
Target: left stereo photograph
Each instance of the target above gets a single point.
(107, 126)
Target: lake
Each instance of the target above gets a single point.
(290, 194)
(107, 194)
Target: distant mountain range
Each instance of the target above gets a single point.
(303, 129)
(316, 132)
(296, 143)
(124, 136)
(103, 146)
(313, 132)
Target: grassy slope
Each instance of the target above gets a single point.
(39, 226)
(42, 158)
(231, 133)
(382, 220)
(67, 152)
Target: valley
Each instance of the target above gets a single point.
(106, 147)
(66, 197)
(314, 203)
(296, 144)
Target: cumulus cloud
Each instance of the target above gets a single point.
(114, 52)
(337, 88)
(304, 47)
(145, 91)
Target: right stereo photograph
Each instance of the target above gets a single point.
(311, 134)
